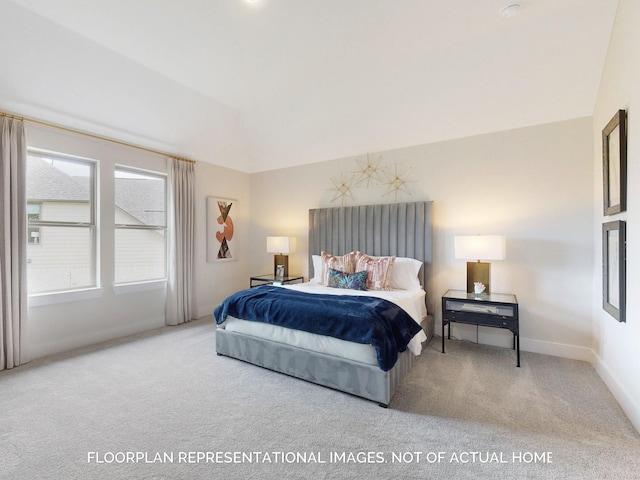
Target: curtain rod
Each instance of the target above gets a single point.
(92, 135)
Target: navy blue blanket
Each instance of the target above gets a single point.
(359, 319)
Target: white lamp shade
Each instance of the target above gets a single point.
(283, 245)
(480, 247)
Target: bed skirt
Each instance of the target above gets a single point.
(362, 380)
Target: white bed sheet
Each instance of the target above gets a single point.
(411, 301)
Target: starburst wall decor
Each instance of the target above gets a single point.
(397, 183)
(342, 188)
(369, 174)
(369, 171)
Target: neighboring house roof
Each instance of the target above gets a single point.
(49, 183)
(144, 200)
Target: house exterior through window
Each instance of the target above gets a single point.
(61, 228)
(140, 225)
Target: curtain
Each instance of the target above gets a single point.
(13, 244)
(181, 301)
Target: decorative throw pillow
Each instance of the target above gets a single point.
(343, 264)
(378, 270)
(353, 281)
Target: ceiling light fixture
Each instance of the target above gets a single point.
(509, 10)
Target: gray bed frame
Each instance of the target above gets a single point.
(401, 229)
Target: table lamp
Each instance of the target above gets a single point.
(281, 246)
(479, 247)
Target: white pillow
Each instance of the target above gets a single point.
(404, 275)
(317, 268)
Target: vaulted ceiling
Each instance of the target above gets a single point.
(275, 83)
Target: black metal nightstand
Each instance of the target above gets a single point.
(498, 310)
(273, 280)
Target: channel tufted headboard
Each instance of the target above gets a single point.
(400, 229)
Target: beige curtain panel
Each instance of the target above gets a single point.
(181, 299)
(13, 244)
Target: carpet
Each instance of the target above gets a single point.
(163, 405)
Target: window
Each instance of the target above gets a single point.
(141, 226)
(33, 215)
(61, 229)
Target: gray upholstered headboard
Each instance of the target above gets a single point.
(401, 229)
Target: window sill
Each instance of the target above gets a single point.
(42, 299)
(125, 288)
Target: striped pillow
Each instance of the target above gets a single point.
(378, 270)
(342, 264)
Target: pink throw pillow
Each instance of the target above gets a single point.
(343, 263)
(378, 270)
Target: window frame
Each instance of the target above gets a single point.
(91, 224)
(129, 226)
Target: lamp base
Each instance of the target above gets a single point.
(281, 265)
(478, 272)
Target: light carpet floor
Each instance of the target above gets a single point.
(163, 405)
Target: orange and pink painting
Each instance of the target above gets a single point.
(220, 229)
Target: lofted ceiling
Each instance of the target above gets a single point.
(276, 83)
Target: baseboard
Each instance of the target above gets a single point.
(557, 350)
(206, 311)
(503, 338)
(52, 347)
(625, 400)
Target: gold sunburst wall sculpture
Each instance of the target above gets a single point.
(369, 171)
(342, 188)
(370, 175)
(397, 182)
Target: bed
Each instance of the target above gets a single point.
(400, 231)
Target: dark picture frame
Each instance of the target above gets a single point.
(614, 275)
(614, 163)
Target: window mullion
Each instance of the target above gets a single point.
(44, 223)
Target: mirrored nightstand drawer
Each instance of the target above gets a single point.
(459, 306)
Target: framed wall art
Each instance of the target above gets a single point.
(614, 276)
(220, 229)
(614, 163)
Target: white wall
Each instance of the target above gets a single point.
(54, 74)
(533, 185)
(59, 323)
(616, 345)
(215, 281)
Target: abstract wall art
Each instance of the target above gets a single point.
(220, 229)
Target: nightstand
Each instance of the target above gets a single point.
(498, 310)
(273, 280)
